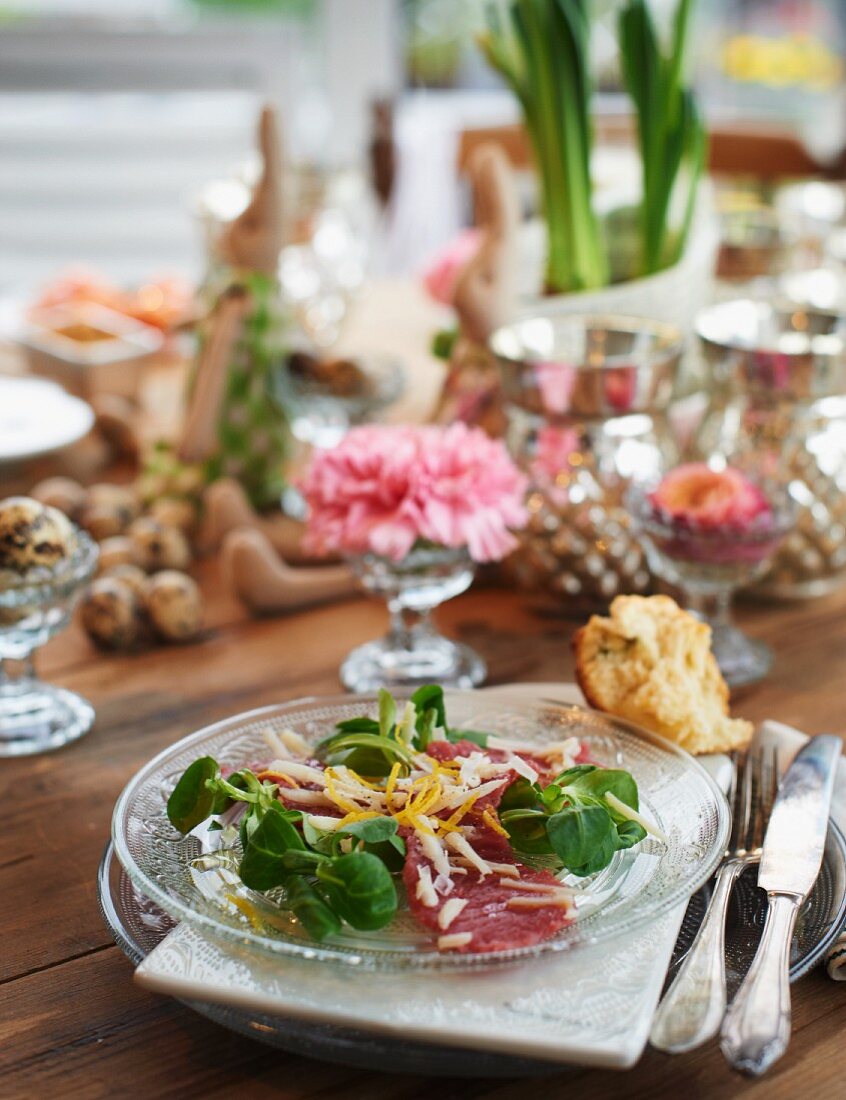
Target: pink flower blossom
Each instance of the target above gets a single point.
(696, 495)
(441, 275)
(385, 487)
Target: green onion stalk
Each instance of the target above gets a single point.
(671, 132)
(542, 52)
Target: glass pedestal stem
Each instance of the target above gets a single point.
(713, 608)
(742, 660)
(407, 624)
(37, 717)
(19, 680)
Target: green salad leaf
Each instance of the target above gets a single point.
(571, 819)
(360, 889)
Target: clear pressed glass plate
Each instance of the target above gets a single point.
(677, 794)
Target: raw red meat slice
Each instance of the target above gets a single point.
(493, 925)
(449, 750)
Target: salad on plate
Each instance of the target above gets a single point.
(475, 830)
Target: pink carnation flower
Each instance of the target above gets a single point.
(385, 487)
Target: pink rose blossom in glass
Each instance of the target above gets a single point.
(385, 487)
(696, 494)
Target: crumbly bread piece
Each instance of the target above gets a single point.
(651, 662)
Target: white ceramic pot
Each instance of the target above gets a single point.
(673, 296)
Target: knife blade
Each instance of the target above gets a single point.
(756, 1028)
(795, 837)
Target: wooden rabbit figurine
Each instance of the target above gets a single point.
(232, 424)
(484, 297)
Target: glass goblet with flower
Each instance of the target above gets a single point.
(708, 531)
(413, 509)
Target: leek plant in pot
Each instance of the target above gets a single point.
(608, 260)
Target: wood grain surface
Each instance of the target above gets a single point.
(72, 1022)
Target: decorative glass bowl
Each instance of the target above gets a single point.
(320, 412)
(640, 884)
(34, 716)
(322, 408)
(413, 652)
(586, 399)
(779, 400)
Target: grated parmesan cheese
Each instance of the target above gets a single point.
(424, 890)
(497, 868)
(457, 842)
(450, 911)
(433, 850)
(294, 743)
(444, 884)
(522, 768)
(454, 939)
(476, 767)
(626, 811)
(273, 741)
(531, 887)
(292, 768)
(325, 824)
(457, 798)
(559, 900)
(306, 798)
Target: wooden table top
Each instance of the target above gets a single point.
(75, 1025)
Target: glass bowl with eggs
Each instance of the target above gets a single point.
(45, 562)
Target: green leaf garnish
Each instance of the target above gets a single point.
(360, 889)
(192, 800)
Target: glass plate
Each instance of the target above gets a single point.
(638, 886)
(139, 926)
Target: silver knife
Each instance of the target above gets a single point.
(756, 1028)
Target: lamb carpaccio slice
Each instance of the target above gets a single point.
(487, 916)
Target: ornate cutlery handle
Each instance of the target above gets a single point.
(693, 1006)
(756, 1029)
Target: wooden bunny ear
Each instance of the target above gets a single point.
(267, 584)
(497, 204)
(485, 289)
(253, 240)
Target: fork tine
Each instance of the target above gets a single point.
(758, 786)
(747, 799)
(735, 798)
(773, 785)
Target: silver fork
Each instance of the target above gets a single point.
(694, 1005)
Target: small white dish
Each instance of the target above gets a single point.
(37, 417)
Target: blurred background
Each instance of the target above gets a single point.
(127, 126)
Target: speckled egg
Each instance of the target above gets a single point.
(61, 492)
(159, 546)
(133, 576)
(109, 510)
(33, 534)
(111, 614)
(175, 512)
(117, 550)
(174, 605)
